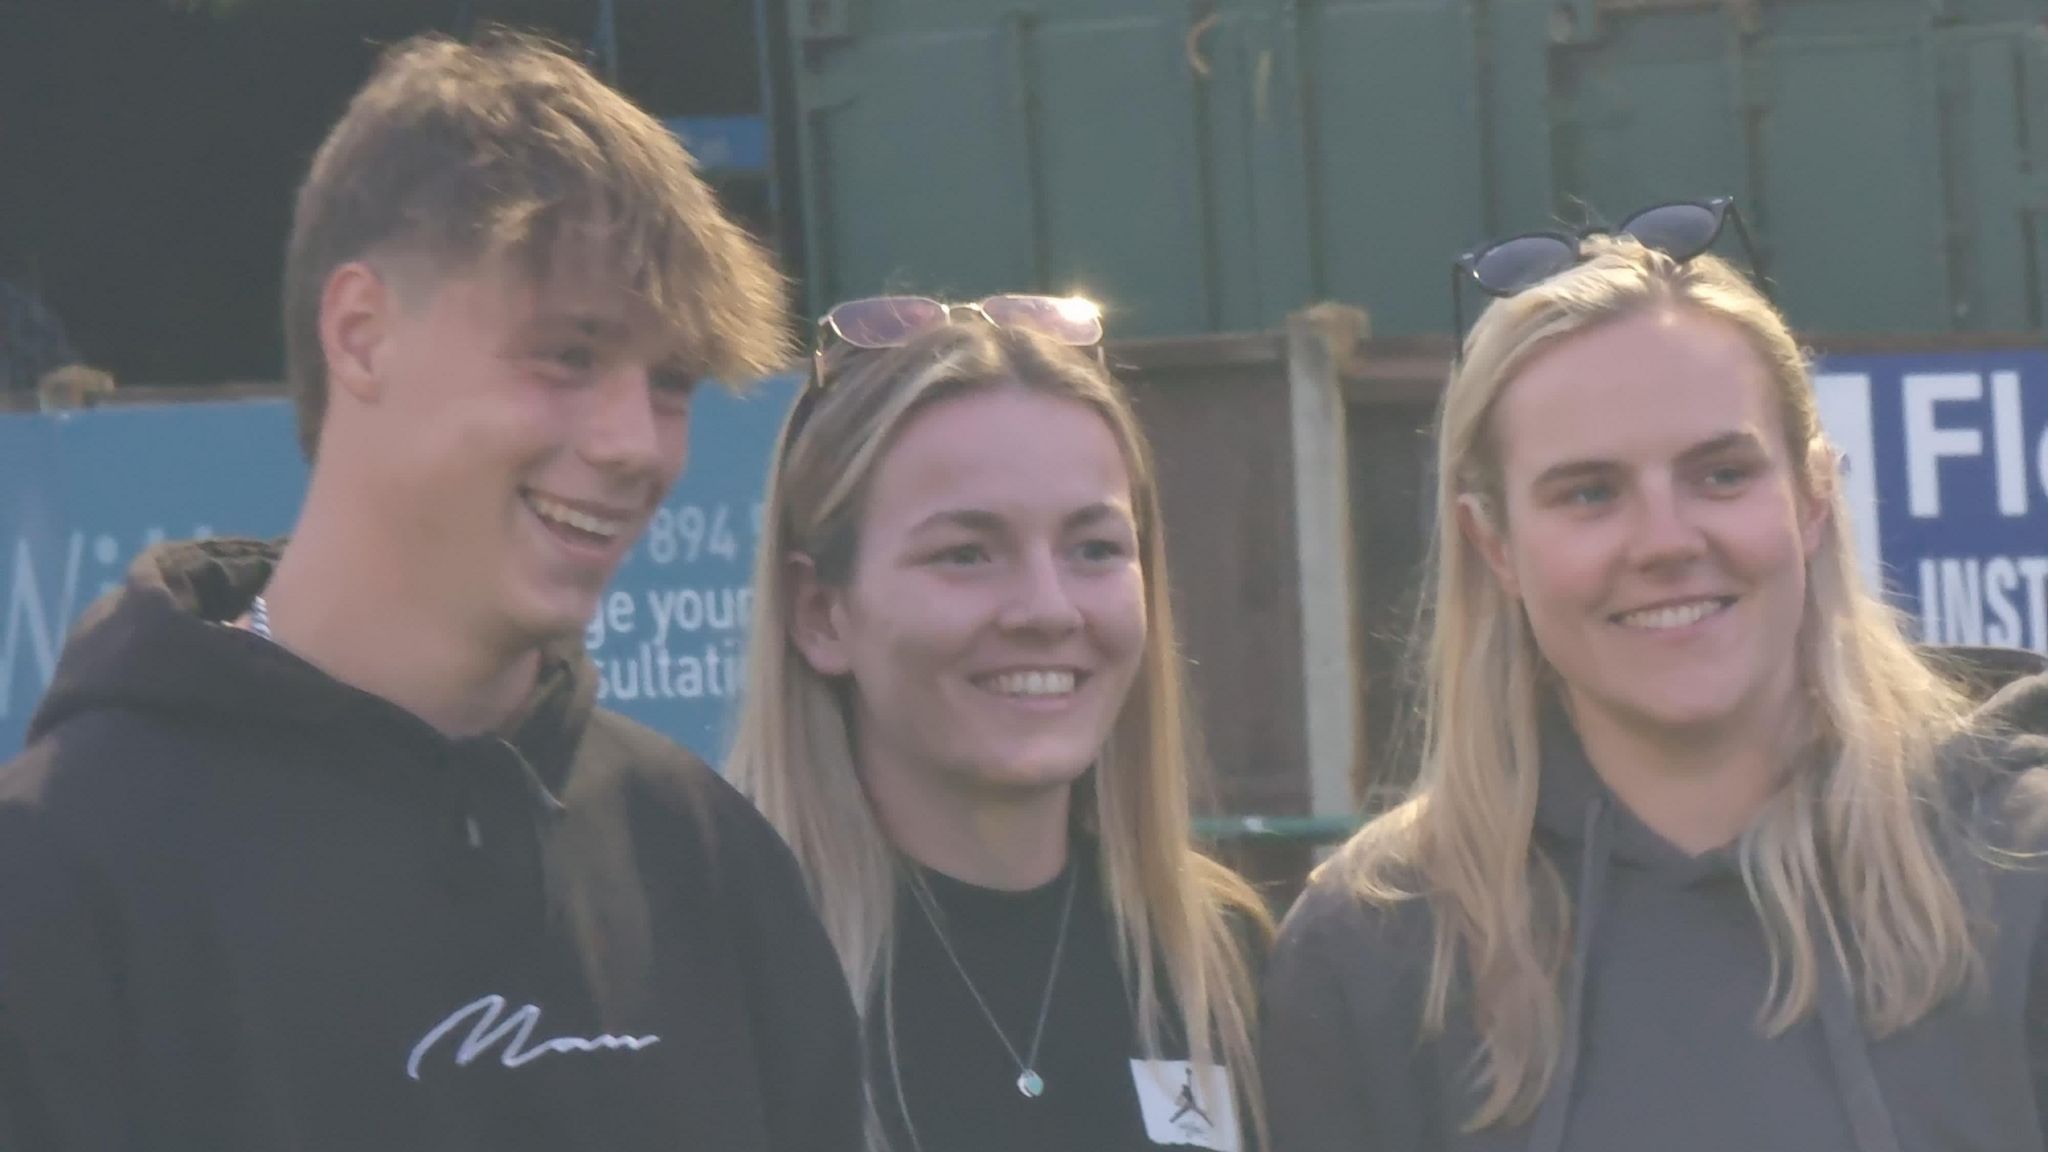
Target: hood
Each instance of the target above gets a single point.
(1987, 673)
(2009, 684)
(1580, 821)
(1572, 803)
(159, 645)
(2020, 705)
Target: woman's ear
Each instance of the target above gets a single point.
(816, 617)
(1477, 524)
(1817, 496)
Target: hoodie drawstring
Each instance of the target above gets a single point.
(545, 804)
(543, 797)
(1548, 1133)
(1869, 1120)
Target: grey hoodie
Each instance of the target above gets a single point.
(1662, 1046)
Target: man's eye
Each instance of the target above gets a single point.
(673, 382)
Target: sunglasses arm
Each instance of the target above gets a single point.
(1457, 313)
(1750, 250)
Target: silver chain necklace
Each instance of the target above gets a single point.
(259, 618)
(1029, 1082)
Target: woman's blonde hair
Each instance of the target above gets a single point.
(1844, 865)
(1175, 912)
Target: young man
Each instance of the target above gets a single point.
(326, 847)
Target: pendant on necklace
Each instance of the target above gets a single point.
(1030, 1084)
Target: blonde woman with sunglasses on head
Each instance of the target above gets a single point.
(1703, 856)
(964, 712)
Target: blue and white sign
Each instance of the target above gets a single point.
(1947, 477)
(81, 493)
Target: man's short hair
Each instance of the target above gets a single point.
(455, 153)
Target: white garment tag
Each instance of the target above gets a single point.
(1187, 1104)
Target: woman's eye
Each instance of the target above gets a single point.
(576, 358)
(1590, 495)
(1728, 476)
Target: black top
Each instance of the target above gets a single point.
(246, 907)
(960, 1083)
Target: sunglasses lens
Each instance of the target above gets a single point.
(1680, 231)
(1522, 262)
(1070, 320)
(885, 321)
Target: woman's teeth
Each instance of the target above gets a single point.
(1673, 615)
(1031, 683)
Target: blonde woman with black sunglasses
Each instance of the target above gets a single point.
(1703, 855)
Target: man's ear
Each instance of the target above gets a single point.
(357, 307)
(1480, 529)
(817, 622)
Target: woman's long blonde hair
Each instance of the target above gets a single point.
(1175, 911)
(1849, 836)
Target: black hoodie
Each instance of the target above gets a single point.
(245, 906)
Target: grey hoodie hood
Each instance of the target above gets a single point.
(1577, 815)
(1662, 996)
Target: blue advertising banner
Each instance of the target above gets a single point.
(81, 493)
(1947, 474)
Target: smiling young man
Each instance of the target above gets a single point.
(325, 846)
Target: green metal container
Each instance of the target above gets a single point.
(1210, 166)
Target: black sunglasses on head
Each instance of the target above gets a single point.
(1681, 230)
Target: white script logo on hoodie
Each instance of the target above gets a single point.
(519, 1026)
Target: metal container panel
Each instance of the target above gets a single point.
(1209, 167)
